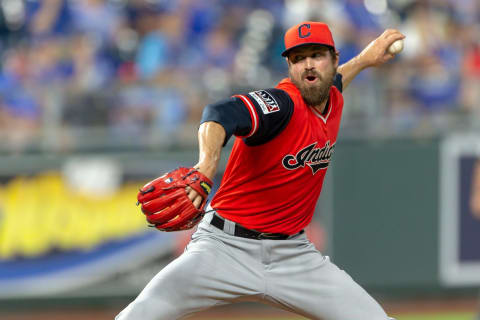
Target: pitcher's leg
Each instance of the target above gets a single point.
(200, 278)
(311, 285)
(168, 295)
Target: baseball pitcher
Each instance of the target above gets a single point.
(250, 244)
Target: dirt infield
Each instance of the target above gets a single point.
(246, 311)
(432, 305)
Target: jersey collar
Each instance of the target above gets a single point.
(324, 118)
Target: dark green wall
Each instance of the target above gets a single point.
(385, 223)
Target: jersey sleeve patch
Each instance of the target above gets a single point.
(266, 101)
(274, 110)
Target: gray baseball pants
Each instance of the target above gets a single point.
(218, 268)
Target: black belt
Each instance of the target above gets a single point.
(248, 233)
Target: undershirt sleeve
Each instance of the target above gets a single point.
(231, 114)
(257, 117)
(337, 82)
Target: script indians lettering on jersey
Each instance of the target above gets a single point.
(315, 158)
(266, 101)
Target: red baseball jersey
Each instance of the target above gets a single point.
(274, 186)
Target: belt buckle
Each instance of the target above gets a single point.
(266, 235)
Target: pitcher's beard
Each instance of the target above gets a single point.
(315, 94)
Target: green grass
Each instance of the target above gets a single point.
(429, 316)
(442, 316)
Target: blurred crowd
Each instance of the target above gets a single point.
(139, 72)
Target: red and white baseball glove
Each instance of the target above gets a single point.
(165, 202)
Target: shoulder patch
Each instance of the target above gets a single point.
(266, 101)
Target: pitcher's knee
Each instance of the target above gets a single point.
(148, 310)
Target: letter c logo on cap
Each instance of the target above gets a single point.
(301, 34)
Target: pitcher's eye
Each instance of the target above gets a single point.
(298, 58)
(318, 54)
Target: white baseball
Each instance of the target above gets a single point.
(396, 47)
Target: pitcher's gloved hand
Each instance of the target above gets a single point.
(165, 202)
